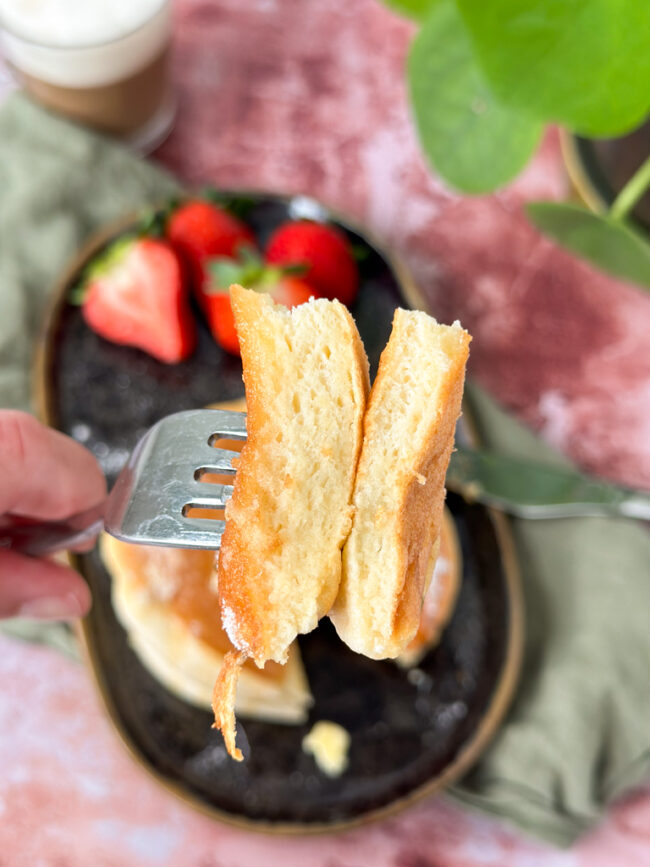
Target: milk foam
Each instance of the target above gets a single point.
(83, 43)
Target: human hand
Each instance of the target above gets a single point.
(44, 475)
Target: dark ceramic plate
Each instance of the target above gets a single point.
(410, 733)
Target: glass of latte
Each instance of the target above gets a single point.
(102, 63)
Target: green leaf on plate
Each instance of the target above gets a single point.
(416, 9)
(474, 142)
(584, 63)
(609, 244)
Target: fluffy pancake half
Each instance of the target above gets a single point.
(399, 491)
(306, 378)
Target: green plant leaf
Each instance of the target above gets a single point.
(609, 244)
(474, 142)
(584, 63)
(416, 9)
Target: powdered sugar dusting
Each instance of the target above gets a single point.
(230, 624)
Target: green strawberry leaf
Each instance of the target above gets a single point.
(248, 256)
(100, 265)
(608, 244)
(473, 141)
(249, 270)
(225, 272)
(295, 269)
(583, 63)
(153, 221)
(360, 252)
(110, 256)
(416, 9)
(77, 294)
(238, 206)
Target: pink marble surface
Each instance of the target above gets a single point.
(70, 796)
(308, 95)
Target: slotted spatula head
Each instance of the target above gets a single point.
(160, 484)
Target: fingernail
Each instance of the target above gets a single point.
(65, 607)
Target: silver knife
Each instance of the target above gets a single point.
(521, 488)
(532, 490)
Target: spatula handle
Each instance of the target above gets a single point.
(47, 537)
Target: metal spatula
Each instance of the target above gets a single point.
(154, 495)
(161, 483)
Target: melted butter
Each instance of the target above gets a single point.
(329, 743)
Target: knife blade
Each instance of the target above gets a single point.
(531, 490)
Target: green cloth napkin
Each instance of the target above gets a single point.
(578, 733)
(59, 183)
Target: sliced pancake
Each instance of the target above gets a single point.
(399, 490)
(306, 379)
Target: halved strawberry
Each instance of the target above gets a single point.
(282, 284)
(324, 251)
(134, 294)
(201, 230)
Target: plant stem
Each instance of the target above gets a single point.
(631, 192)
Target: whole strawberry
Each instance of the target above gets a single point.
(324, 251)
(201, 230)
(134, 294)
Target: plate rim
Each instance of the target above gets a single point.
(506, 685)
(588, 189)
